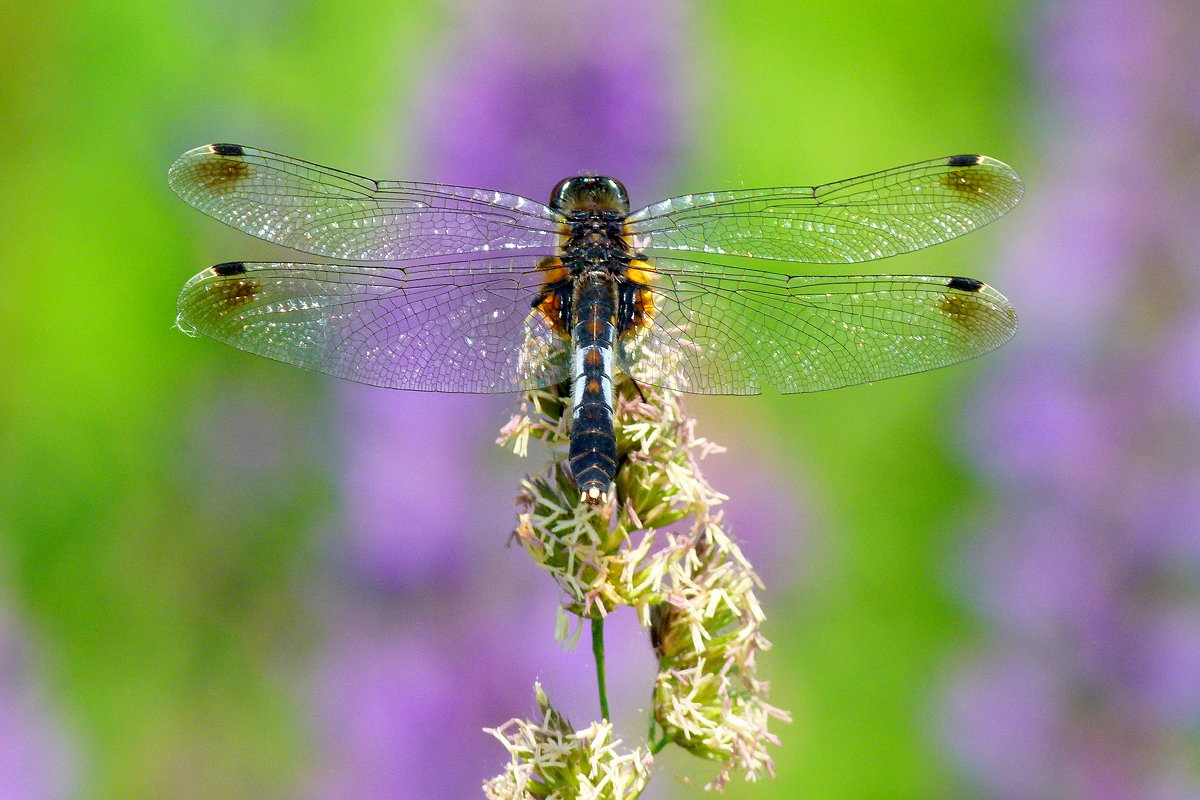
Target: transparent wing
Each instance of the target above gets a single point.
(874, 216)
(324, 211)
(451, 327)
(724, 330)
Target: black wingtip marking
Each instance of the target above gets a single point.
(965, 284)
(228, 149)
(963, 161)
(229, 268)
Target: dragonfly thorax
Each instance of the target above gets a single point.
(594, 241)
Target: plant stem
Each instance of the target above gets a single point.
(598, 654)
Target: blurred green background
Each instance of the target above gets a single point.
(168, 506)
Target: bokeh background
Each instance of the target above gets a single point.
(222, 577)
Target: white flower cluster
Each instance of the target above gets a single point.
(660, 548)
(550, 761)
(707, 698)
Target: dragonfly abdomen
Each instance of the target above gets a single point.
(593, 452)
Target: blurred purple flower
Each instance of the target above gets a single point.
(765, 513)
(36, 759)
(430, 642)
(1004, 719)
(1089, 686)
(1165, 673)
(408, 481)
(531, 92)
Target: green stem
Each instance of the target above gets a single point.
(598, 654)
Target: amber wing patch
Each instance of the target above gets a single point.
(641, 272)
(551, 302)
(969, 182)
(223, 171)
(970, 310)
(232, 287)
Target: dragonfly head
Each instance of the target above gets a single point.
(589, 193)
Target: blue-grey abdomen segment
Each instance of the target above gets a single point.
(593, 452)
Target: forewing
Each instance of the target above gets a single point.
(724, 330)
(451, 327)
(327, 212)
(873, 216)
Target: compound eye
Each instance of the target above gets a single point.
(558, 196)
(620, 196)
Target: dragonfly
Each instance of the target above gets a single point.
(461, 289)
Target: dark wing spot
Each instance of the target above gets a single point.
(972, 185)
(229, 268)
(965, 284)
(963, 161)
(969, 311)
(235, 293)
(228, 149)
(223, 171)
